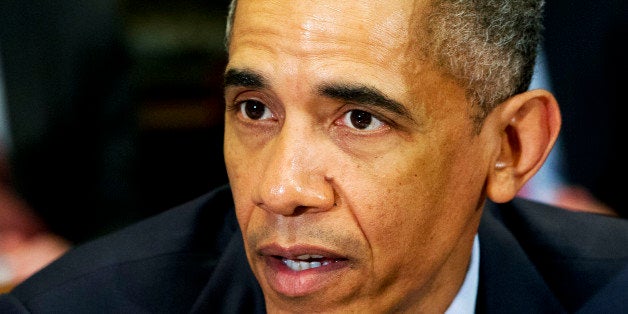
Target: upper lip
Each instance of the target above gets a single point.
(294, 251)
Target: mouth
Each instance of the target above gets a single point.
(300, 271)
(307, 261)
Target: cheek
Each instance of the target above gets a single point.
(234, 164)
(395, 207)
(240, 161)
(412, 213)
(240, 177)
(400, 231)
(402, 214)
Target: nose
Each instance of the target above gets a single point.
(294, 180)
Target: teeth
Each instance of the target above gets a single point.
(307, 256)
(302, 265)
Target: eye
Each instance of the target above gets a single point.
(361, 120)
(255, 110)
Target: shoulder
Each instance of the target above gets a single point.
(157, 265)
(572, 254)
(561, 232)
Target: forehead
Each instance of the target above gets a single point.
(318, 26)
(311, 17)
(354, 14)
(357, 38)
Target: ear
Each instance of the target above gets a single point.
(529, 125)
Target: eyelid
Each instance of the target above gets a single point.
(235, 105)
(371, 110)
(245, 95)
(345, 116)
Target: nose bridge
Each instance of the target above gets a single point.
(294, 179)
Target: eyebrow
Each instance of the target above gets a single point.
(354, 93)
(244, 78)
(364, 95)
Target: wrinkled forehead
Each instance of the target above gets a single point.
(373, 21)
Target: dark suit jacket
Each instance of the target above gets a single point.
(533, 259)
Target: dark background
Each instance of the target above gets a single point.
(178, 57)
(585, 44)
(115, 107)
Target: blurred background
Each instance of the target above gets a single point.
(177, 60)
(111, 111)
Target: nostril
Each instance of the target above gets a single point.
(299, 210)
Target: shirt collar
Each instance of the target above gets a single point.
(464, 302)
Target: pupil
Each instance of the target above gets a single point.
(361, 119)
(254, 110)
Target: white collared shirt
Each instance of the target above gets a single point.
(465, 300)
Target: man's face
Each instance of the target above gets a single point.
(356, 173)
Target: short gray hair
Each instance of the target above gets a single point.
(230, 19)
(488, 46)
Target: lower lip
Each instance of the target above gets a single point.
(300, 283)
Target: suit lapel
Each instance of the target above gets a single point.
(509, 282)
(232, 288)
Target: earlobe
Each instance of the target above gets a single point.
(530, 123)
